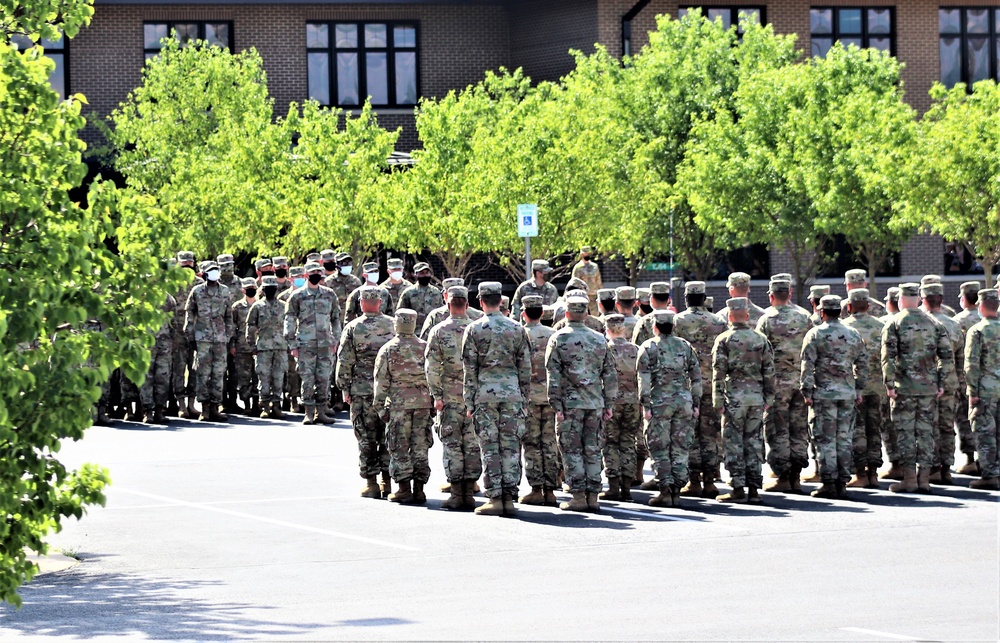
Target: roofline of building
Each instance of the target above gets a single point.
(324, 2)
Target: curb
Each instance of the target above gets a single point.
(52, 563)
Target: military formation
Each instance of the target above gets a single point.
(588, 385)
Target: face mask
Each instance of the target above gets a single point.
(281, 273)
(396, 275)
(372, 277)
(298, 282)
(586, 257)
(547, 322)
(423, 281)
(212, 275)
(267, 273)
(645, 308)
(345, 270)
(270, 292)
(228, 271)
(315, 278)
(329, 266)
(251, 293)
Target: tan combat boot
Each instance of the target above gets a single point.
(753, 497)
(446, 487)
(403, 495)
(614, 491)
(550, 497)
(592, 502)
(626, 490)
(468, 494)
(872, 478)
(934, 476)
(454, 502)
(663, 499)
(781, 484)
(419, 497)
(737, 495)
(923, 480)
(859, 480)
(991, 484)
(693, 488)
(970, 468)
(192, 412)
(637, 481)
(826, 490)
(310, 416)
(946, 475)
(386, 484)
(274, 411)
(216, 415)
(134, 413)
(371, 489)
(323, 415)
(795, 480)
(578, 503)
(895, 472)
(815, 477)
(909, 483)
(493, 507)
(509, 508)
(536, 497)
(709, 490)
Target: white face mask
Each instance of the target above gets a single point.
(345, 270)
(396, 275)
(372, 277)
(212, 275)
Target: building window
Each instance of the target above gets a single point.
(728, 15)
(873, 28)
(219, 34)
(350, 61)
(56, 51)
(970, 44)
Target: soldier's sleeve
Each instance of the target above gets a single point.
(807, 368)
(599, 282)
(292, 322)
(861, 368)
(763, 327)
(642, 363)
(346, 358)
(694, 373)
(470, 363)
(336, 325)
(251, 330)
(432, 367)
(352, 305)
(973, 361)
(515, 304)
(767, 372)
(553, 374)
(890, 350)
(959, 350)
(609, 376)
(524, 364)
(720, 369)
(388, 306)
(230, 321)
(425, 329)
(382, 376)
(190, 314)
(945, 356)
(637, 332)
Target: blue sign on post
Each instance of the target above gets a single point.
(527, 220)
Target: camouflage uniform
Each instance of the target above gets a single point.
(340, 283)
(742, 385)
(966, 319)
(947, 404)
(546, 291)
(209, 325)
(312, 325)
(423, 299)
(354, 302)
(786, 428)
(644, 329)
(155, 390)
(233, 283)
(284, 283)
(591, 322)
(858, 279)
(265, 332)
(834, 371)
(669, 383)
(590, 273)
(404, 403)
(541, 449)
(622, 429)
(359, 346)
(246, 376)
(741, 282)
(293, 383)
(869, 418)
(497, 380)
(982, 377)
(395, 290)
(582, 383)
(182, 366)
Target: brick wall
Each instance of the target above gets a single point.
(543, 33)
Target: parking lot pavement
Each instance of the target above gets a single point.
(256, 530)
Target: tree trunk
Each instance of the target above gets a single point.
(633, 271)
(873, 259)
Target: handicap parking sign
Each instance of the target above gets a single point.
(527, 220)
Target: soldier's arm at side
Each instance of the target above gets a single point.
(553, 375)
(432, 368)
(720, 370)
(470, 372)
(973, 363)
(336, 324)
(190, 314)
(609, 376)
(346, 358)
(250, 334)
(767, 372)
(890, 349)
(694, 376)
(945, 357)
(524, 365)
(229, 320)
(807, 368)
(642, 369)
(861, 369)
(292, 322)
(382, 379)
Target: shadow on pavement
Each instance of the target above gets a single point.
(566, 519)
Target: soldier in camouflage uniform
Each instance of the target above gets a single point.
(868, 421)
(816, 293)
(155, 391)
(293, 383)
(742, 389)
(622, 430)
(354, 299)
(403, 402)
(497, 388)
(281, 271)
(537, 285)
(395, 284)
(209, 326)
(445, 378)
(625, 305)
(578, 288)
(605, 302)
(359, 346)
(895, 471)
(263, 268)
(645, 307)
(739, 286)
(928, 280)
(422, 297)
(916, 359)
(442, 313)
(232, 282)
(312, 328)
(582, 388)
(659, 300)
(699, 327)
(858, 279)
(589, 272)
(969, 317)
(947, 405)
(834, 371)
(338, 268)
(541, 449)
(242, 351)
(982, 378)
(786, 430)
(182, 369)
(670, 390)
(265, 333)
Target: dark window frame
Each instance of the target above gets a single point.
(390, 50)
(992, 37)
(734, 12)
(865, 36)
(201, 32)
(61, 50)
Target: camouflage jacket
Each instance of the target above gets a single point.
(590, 273)
(669, 372)
(816, 319)
(497, 362)
(442, 313)
(785, 327)
(208, 317)
(265, 326)
(343, 285)
(239, 311)
(982, 359)
(631, 321)
(834, 362)
(625, 354)
(443, 360)
(400, 379)
(643, 330)
(312, 318)
(916, 353)
(875, 309)
(756, 312)
(870, 329)
(742, 367)
(700, 328)
(546, 291)
(180, 316)
(955, 381)
(395, 291)
(591, 322)
(359, 346)
(581, 370)
(538, 339)
(166, 332)
(967, 319)
(354, 304)
(232, 282)
(422, 299)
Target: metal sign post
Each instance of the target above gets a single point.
(527, 227)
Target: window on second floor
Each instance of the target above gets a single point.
(56, 51)
(970, 44)
(865, 27)
(219, 34)
(729, 15)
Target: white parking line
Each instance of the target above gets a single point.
(270, 521)
(236, 502)
(887, 635)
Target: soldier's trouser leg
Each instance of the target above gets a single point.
(914, 417)
(211, 369)
(985, 418)
(742, 434)
(798, 431)
(621, 433)
(541, 457)
(461, 454)
(776, 432)
(408, 434)
(315, 368)
(155, 391)
(966, 437)
(667, 435)
(373, 456)
(867, 449)
(324, 373)
(271, 367)
(500, 427)
(293, 383)
(246, 376)
(832, 424)
(890, 438)
(580, 440)
(613, 448)
(641, 448)
(231, 385)
(703, 456)
(180, 361)
(944, 433)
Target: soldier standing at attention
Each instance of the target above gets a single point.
(445, 378)
(786, 429)
(423, 297)
(916, 358)
(582, 387)
(625, 305)
(293, 383)
(359, 346)
(969, 317)
(816, 293)
(834, 372)
(242, 351)
(235, 286)
(670, 391)
(338, 268)
(371, 279)
(209, 326)
(312, 328)
(588, 271)
(395, 284)
(947, 404)
(868, 423)
(889, 437)
(404, 404)
(927, 280)
(497, 388)
(982, 377)
(739, 286)
(856, 279)
(605, 302)
(442, 313)
(622, 429)
(265, 333)
(182, 369)
(659, 300)
(742, 389)
(538, 284)
(155, 391)
(541, 451)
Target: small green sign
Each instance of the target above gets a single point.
(661, 266)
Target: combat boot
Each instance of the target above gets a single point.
(446, 487)
(859, 480)
(872, 478)
(101, 417)
(371, 489)
(675, 496)
(971, 467)
(386, 484)
(815, 477)
(310, 416)
(419, 497)
(475, 486)
(934, 476)
(192, 411)
(286, 404)
(650, 485)
(148, 416)
(297, 405)
(274, 411)
(908, 484)
(509, 509)
(923, 480)
(550, 497)
(454, 502)
(626, 489)
(895, 472)
(134, 413)
(991, 484)
(637, 481)
(159, 417)
(841, 490)
(826, 490)
(737, 495)
(663, 499)
(493, 507)
(536, 497)
(614, 491)
(255, 411)
(795, 480)
(753, 497)
(592, 502)
(323, 415)
(946, 475)
(578, 503)
(782, 484)
(215, 415)
(693, 488)
(172, 408)
(468, 497)
(403, 495)
(709, 490)
(205, 415)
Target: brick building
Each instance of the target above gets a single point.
(396, 51)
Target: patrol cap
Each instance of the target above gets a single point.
(892, 294)
(586, 250)
(370, 293)
(314, 257)
(203, 265)
(738, 303)
(540, 264)
(989, 294)
(931, 289)
(225, 260)
(782, 276)
(930, 279)
(858, 295)
(248, 282)
(548, 312)
(577, 304)
(532, 301)
(185, 255)
(738, 280)
(269, 280)
(909, 290)
(614, 322)
(830, 302)
(371, 266)
(694, 288)
(394, 263)
(576, 284)
(459, 292)
(659, 288)
(709, 302)
(663, 317)
(643, 294)
(855, 277)
(779, 285)
(312, 266)
(818, 292)
(344, 256)
(406, 321)
(296, 271)
(209, 265)
(604, 293)
(283, 261)
(451, 282)
(260, 264)
(327, 255)
(422, 265)
(625, 293)
(970, 287)
(505, 303)
(490, 288)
